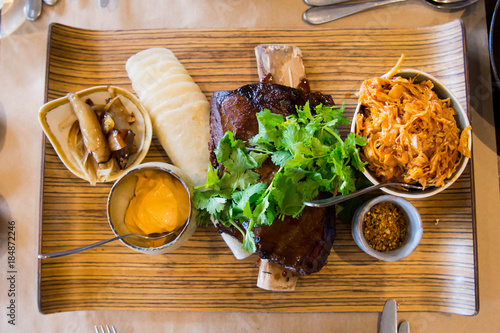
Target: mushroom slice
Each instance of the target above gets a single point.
(93, 138)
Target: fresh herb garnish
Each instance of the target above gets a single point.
(311, 157)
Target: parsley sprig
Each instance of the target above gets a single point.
(311, 157)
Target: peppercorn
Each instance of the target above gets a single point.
(384, 227)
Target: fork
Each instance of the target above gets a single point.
(108, 329)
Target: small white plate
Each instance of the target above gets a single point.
(56, 118)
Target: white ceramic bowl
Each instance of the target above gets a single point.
(413, 234)
(462, 122)
(57, 116)
(123, 191)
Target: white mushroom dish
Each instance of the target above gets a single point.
(98, 133)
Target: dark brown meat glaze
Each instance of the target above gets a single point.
(301, 245)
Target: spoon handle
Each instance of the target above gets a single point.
(103, 3)
(32, 9)
(91, 246)
(324, 14)
(341, 198)
(323, 2)
(79, 249)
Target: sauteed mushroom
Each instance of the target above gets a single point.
(93, 138)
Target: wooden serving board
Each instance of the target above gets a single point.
(203, 275)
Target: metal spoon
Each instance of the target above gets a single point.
(341, 198)
(448, 1)
(50, 2)
(90, 246)
(328, 13)
(32, 9)
(323, 2)
(103, 3)
(450, 4)
(332, 2)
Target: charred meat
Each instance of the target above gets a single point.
(301, 244)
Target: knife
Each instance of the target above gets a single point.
(389, 320)
(404, 327)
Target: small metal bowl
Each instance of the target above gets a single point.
(462, 122)
(123, 191)
(413, 234)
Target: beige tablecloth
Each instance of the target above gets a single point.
(22, 80)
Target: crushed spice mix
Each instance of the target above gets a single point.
(384, 227)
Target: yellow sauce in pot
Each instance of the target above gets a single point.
(160, 204)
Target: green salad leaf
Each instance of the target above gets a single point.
(311, 157)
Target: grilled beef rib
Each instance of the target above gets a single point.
(302, 245)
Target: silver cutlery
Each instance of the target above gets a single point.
(450, 4)
(446, 1)
(389, 318)
(404, 327)
(32, 9)
(330, 10)
(91, 246)
(109, 329)
(341, 198)
(333, 2)
(323, 2)
(103, 3)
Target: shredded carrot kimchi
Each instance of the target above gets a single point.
(412, 135)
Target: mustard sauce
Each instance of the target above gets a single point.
(160, 204)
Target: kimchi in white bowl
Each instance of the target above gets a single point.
(417, 132)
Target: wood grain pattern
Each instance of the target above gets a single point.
(203, 275)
